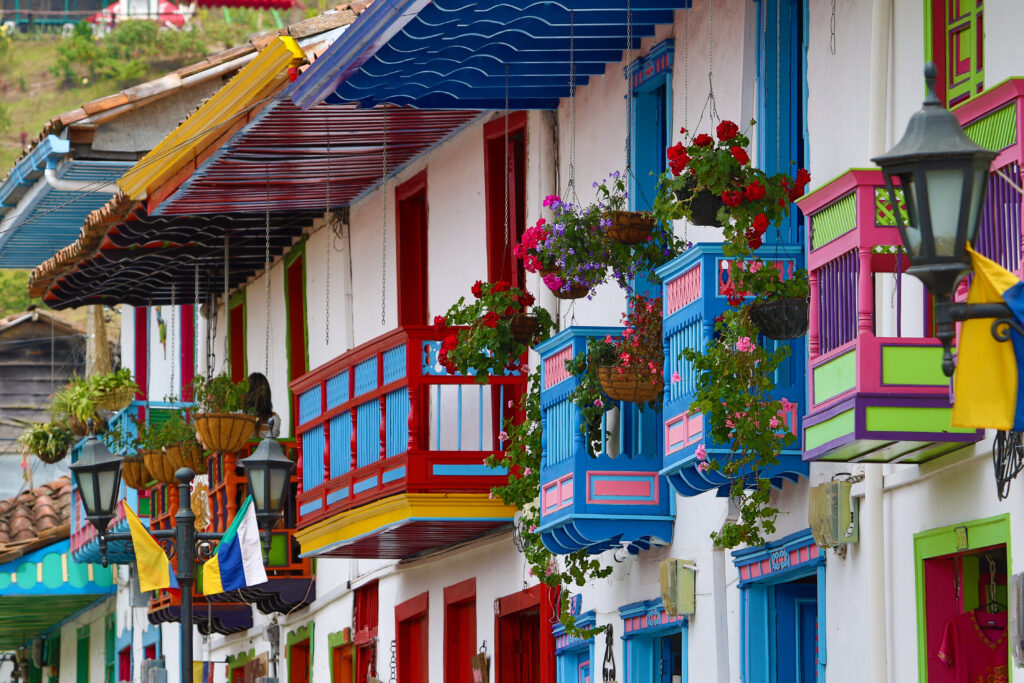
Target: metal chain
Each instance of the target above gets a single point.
(172, 333)
(394, 662)
(572, 105)
(504, 249)
(211, 335)
(629, 88)
(686, 69)
(329, 236)
(832, 28)
(266, 283)
(778, 89)
(384, 223)
(195, 320)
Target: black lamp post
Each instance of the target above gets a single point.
(98, 475)
(268, 473)
(944, 176)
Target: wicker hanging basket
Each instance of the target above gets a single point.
(524, 327)
(575, 291)
(704, 205)
(116, 399)
(134, 472)
(630, 385)
(224, 432)
(159, 466)
(188, 455)
(80, 428)
(781, 318)
(51, 457)
(630, 227)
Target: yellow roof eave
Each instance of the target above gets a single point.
(249, 87)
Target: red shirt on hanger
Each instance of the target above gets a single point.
(978, 657)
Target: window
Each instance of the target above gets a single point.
(781, 584)
(459, 631)
(236, 336)
(108, 649)
(300, 654)
(365, 638)
(82, 656)
(124, 664)
(525, 652)
(652, 120)
(957, 46)
(961, 586)
(505, 167)
(411, 248)
(575, 656)
(342, 656)
(412, 626)
(654, 643)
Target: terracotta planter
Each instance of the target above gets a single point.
(118, 399)
(188, 455)
(524, 327)
(704, 205)
(630, 386)
(575, 291)
(134, 472)
(159, 466)
(224, 432)
(630, 227)
(781, 318)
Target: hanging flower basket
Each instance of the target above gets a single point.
(574, 292)
(51, 457)
(116, 399)
(781, 318)
(630, 227)
(188, 455)
(704, 204)
(523, 327)
(134, 472)
(159, 466)
(225, 432)
(630, 385)
(80, 428)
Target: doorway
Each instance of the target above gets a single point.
(411, 250)
(525, 647)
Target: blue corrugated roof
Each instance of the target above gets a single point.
(446, 54)
(54, 219)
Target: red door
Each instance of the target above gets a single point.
(298, 662)
(411, 249)
(459, 631)
(526, 647)
(413, 656)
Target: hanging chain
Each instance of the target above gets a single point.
(195, 320)
(629, 89)
(394, 662)
(832, 29)
(572, 105)
(211, 334)
(504, 250)
(329, 236)
(686, 69)
(778, 89)
(172, 333)
(266, 283)
(384, 222)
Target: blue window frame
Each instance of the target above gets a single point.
(651, 80)
(655, 644)
(782, 610)
(782, 96)
(574, 656)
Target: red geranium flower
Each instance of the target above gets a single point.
(753, 238)
(490, 319)
(732, 197)
(760, 223)
(526, 300)
(754, 191)
(727, 130)
(499, 286)
(802, 177)
(477, 289)
(509, 312)
(439, 323)
(450, 342)
(740, 155)
(703, 140)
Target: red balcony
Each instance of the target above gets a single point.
(392, 450)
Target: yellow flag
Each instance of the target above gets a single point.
(152, 562)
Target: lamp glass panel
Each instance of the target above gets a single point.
(278, 483)
(912, 230)
(87, 489)
(945, 194)
(257, 478)
(978, 188)
(108, 481)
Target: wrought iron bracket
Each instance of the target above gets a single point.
(948, 313)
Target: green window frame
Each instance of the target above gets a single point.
(82, 655)
(109, 623)
(299, 635)
(956, 43)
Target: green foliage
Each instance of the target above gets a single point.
(76, 399)
(522, 457)
(486, 345)
(176, 429)
(765, 281)
(14, 296)
(49, 440)
(220, 394)
(114, 380)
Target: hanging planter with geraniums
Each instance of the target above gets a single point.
(48, 441)
(220, 418)
(781, 307)
(495, 329)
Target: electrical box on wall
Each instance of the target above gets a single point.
(678, 586)
(833, 514)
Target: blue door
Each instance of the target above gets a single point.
(796, 612)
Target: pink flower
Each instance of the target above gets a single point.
(786, 405)
(744, 345)
(702, 467)
(511, 403)
(533, 527)
(729, 423)
(553, 282)
(774, 423)
(626, 332)
(701, 453)
(675, 376)
(551, 199)
(598, 403)
(503, 435)
(608, 339)
(624, 356)
(527, 472)
(490, 494)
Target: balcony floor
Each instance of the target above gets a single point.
(404, 525)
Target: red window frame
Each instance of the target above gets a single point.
(296, 317)
(412, 638)
(459, 631)
(510, 613)
(141, 346)
(236, 330)
(501, 262)
(188, 351)
(365, 617)
(412, 219)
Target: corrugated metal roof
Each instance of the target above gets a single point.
(54, 218)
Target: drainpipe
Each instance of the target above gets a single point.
(874, 555)
(86, 186)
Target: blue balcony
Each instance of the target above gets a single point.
(615, 498)
(85, 546)
(696, 286)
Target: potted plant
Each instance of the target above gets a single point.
(570, 252)
(133, 466)
(48, 441)
(76, 403)
(622, 226)
(496, 330)
(115, 390)
(150, 441)
(637, 373)
(220, 419)
(179, 440)
(780, 309)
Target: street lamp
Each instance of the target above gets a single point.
(944, 176)
(268, 473)
(98, 476)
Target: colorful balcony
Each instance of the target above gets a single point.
(695, 286)
(876, 389)
(85, 546)
(392, 450)
(616, 499)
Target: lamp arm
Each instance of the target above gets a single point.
(948, 312)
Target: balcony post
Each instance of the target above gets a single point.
(413, 370)
(812, 327)
(865, 292)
